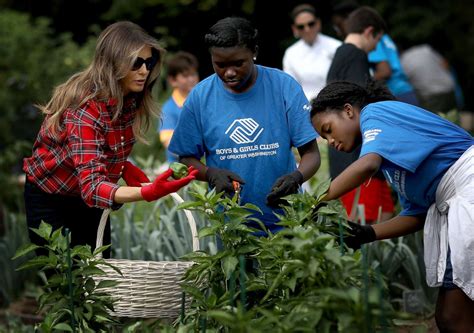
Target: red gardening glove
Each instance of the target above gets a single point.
(133, 175)
(162, 186)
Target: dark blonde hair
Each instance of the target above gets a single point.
(117, 49)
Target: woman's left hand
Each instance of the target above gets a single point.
(133, 175)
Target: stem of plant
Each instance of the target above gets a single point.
(341, 238)
(365, 271)
(232, 288)
(183, 305)
(243, 291)
(69, 278)
(383, 321)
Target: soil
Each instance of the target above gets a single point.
(421, 326)
(25, 309)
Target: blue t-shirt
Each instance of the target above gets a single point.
(417, 148)
(170, 117)
(249, 133)
(386, 50)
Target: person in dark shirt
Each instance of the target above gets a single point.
(365, 28)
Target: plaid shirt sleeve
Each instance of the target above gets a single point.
(88, 133)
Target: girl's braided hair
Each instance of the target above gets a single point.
(231, 32)
(338, 93)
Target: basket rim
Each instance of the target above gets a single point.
(177, 198)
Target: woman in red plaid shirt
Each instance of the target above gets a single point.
(91, 124)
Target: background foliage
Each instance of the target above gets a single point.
(43, 42)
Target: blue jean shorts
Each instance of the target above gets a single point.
(448, 273)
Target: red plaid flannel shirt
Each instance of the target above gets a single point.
(88, 156)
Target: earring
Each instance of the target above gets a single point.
(254, 58)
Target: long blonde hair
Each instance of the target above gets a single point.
(116, 50)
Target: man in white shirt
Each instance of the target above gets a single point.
(308, 60)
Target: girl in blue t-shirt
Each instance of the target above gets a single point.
(429, 161)
(244, 120)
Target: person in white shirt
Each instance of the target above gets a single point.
(308, 60)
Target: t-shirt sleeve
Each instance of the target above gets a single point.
(169, 117)
(187, 138)
(379, 53)
(393, 141)
(298, 113)
(410, 208)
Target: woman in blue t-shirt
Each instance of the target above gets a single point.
(244, 120)
(429, 161)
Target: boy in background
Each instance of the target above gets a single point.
(364, 29)
(182, 77)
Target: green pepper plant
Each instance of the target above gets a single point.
(73, 300)
(302, 278)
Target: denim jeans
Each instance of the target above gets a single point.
(63, 211)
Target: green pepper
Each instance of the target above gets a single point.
(179, 170)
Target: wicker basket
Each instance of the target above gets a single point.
(147, 289)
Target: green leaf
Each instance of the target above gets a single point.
(44, 230)
(333, 255)
(25, 249)
(102, 319)
(189, 205)
(107, 284)
(63, 327)
(228, 265)
(206, 231)
(35, 262)
(83, 251)
(322, 189)
(100, 249)
(92, 271)
(222, 316)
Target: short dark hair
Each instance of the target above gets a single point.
(231, 32)
(181, 62)
(364, 17)
(305, 7)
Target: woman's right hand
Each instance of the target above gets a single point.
(161, 186)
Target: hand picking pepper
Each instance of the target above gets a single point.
(283, 186)
(359, 234)
(222, 179)
(161, 186)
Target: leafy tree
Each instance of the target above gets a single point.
(32, 61)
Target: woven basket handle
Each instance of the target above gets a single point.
(176, 197)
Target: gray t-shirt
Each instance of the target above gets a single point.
(425, 70)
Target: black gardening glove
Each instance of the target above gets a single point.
(283, 186)
(222, 179)
(359, 234)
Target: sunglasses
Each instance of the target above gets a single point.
(310, 24)
(149, 63)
